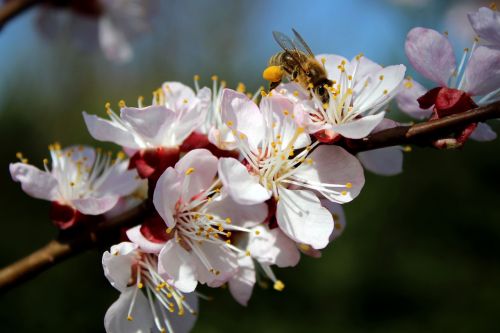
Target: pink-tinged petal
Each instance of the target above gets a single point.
(117, 264)
(136, 237)
(178, 264)
(223, 262)
(113, 41)
(241, 186)
(486, 23)
(79, 154)
(95, 206)
(241, 284)
(339, 220)
(120, 180)
(246, 216)
(36, 183)
(332, 165)
(482, 74)
(116, 318)
(273, 247)
(199, 167)
(431, 54)
(302, 218)
(243, 115)
(105, 130)
(331, 63)
(178, 96)
(359, 128)
(377, 89)
(185, 323)
(483, 132)
(384, 161)
(167, 193)
(146, 121)
(407, 99)
(302, 112)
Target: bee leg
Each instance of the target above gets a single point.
(273, 85)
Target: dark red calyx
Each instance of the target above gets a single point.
(151, 163)
(271, 213)
(63, 216)
(199, 140)
(446, 101)
(154, 229)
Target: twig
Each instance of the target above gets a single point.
(68, 245)
(12, 8)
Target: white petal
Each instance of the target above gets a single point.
(36, 183)
(241, 284)
(482, 74)
(241, 186)
(178, 264)
(359, 128)
(273, 247)
(486, 23)
(178, 96)
(202, 166)
(115, 320)
(431, 54)
(135, 235)
(302, 218)
(243, 115)
(331, 61)
(483, 132)
(117, 264)
(105, 130)
(220, 259)
(246, 216)
(333, 165)
(407, 100)
(95, 206)
(365, 67)
(167, 193)
(384, 161)
(339, 220)
(120, 180)
(185, 323)
(146, 121)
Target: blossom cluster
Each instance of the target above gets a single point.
(236, 183)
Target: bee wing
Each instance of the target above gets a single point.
(288, 45)
(301, 43)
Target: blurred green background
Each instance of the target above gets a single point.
(420, 252)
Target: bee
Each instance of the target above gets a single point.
(298, 64)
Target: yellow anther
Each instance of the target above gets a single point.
(296, 93)
(210, 217)
(323, 60)
(349, 91)
(385, 91)
(304, 247)
(325, 106)
(493, 6)
(140, 285)
(407, 149)
(247, 253)
(121, 103)
(120, 155)
(45, 161)
(272, 74)
(169, 230)
(381, 77)
(196, 77)
(349, 77)
(310, 86)
(278, 285)
(130, 318)
(185, 101)
(229, 123)
(228, 241)
(228, 234)
(241, 87)
(72, 184)
(445, 33)
(343, 192)
(286, 112)
(242, 136)
(408, 84)
(223, 83)
(348, 185)
(214, 77)
(189, 171)
(228, 220)
(257, 232)
(107, 106)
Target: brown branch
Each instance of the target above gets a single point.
(12, 8)
(67, 245)
(70, 244)
(423, 134)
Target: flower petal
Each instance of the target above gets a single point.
(483, 132)
(135, 236)
(431, 54)
(302, 218)
(339, 220)
(273, 247)
(241, 284)
(199, 167)
(117, 264)
(178, 264)
(384, 161)
(486, 23)
(105, 130)
(116, 318)
(241, 186)
(119, 180)
(95, 206)
(331, 63)
(36, 183)
(185, 323)
(359, 128)
(332, 165)
(482, 74)
(223, 264)
(146, 121)
(167, 193)
(246, 216)
(407, 100)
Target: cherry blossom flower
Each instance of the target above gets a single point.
(195, 243)
(486, 24)
(280, 164)
(108, 24)
(80, 180)
(147, 300)
(153, 134)
(361, 90)
(477, 74)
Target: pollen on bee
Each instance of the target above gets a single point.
(272, 73)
